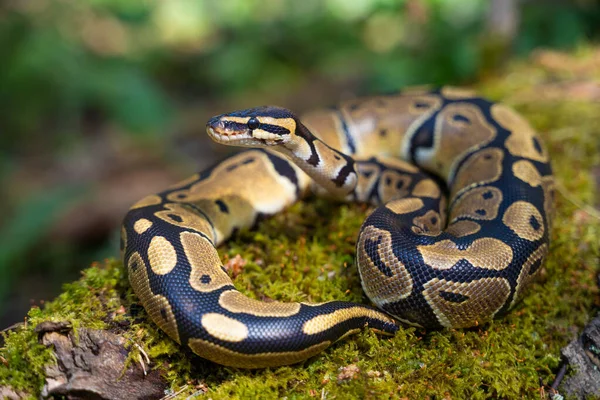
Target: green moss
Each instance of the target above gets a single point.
(299, 255)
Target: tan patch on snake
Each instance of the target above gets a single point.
(534, 261)
(429, 224)
(463, 228)
(238, 120)
(460, 129)
(239, 213)
(548, 184)
(150, 200)
(427, 188)
(368, 174)
(221, 355)
(525, 220)
(184, 217)
(157, 306)
(527, 172)
(123, 240)
(405, 206)
(393, 185)
(162, 255)
(376, 130)
(480, 168)
(462, 305)
(236, 302)
(331, 164)
(488, 253)
(207, 274)
(142, 225)
(324, 322)
(224, 328)
(522, 141)
(226, 183)
(301, 149)
(379, 287)
(456, 93)
(326, 125)
(287, 123)
(478, 203)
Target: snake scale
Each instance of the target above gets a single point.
(460, 229)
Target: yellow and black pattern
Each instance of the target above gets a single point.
(461, 227)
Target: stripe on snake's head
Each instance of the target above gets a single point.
(253, 127)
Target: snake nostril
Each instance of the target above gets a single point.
(215, 123)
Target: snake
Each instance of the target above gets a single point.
(462, 193)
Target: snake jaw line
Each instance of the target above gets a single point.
(246, 138)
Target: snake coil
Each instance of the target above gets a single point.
(427, 256)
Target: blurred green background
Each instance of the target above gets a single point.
(104, 101)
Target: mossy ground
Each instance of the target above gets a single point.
(307, 254)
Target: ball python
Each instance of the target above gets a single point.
(460, 229)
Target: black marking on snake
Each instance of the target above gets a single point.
(488, 195)
(372, 249)
(283, 168)
(175, 217)
(453, 297)
(535, 266)
(206, 279)
(344, 172)
(535, 224)
(304, 133)
(481, 212)
(400, 184)
(461, 118)
(133, 264)
(203, 214)
(234, 126)
(423, 137)
(275, 129)
(421, 105)
(346, 131)
(366, 173)
(537, 145)
(383, 132)
(163, 313)
(222, 206)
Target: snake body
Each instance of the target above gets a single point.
(418, 263)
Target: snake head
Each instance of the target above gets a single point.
(255, 127)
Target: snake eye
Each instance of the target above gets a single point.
(253, 123)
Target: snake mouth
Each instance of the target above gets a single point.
(227, 137)
(230, 133)
(236, 134)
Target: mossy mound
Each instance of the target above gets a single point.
(307, 254)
